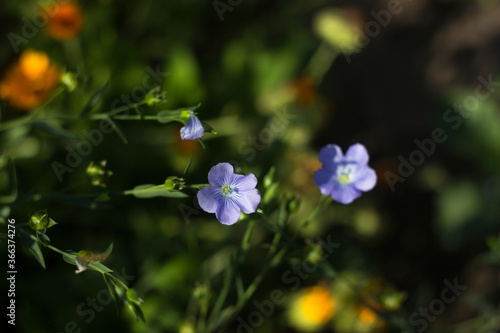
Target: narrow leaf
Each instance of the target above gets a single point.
(118, 130)
(108, 251)
(97, 266)
(32, 245)
(167, 116)
(188, 167)
(151, 191)
(208, 128)
(94, 100)
(55, 131)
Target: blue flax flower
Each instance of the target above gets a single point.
(229, 194)
(344, 177)
(193, 129)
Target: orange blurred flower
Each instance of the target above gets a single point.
(66, 21)
(29, 81)
(185, 147)
(304, 90)
(369, 321)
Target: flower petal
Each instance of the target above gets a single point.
(228, 212)
(221, 174)
(357, 153)
(344, 194)
(367, 180)
(245, 183)
(323, 179)
(247, 201)
(193, 129)
(208, 198)
(330, 155)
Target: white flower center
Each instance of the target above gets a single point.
(344, 173)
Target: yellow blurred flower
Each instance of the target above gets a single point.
(66, 21)
(29, 81)
(338, 28)
(312, 308)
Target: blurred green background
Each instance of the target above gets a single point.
(293, 63)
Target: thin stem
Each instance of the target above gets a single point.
(91, 116)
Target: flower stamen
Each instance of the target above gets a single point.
(227, 190)
(344, 173)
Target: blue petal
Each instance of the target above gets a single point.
(344, 194)
(330, 155)
(366, 179)
(208, 198)
(193, 129)
(357, 153)
(228, 212)
(323, 179)
(221, 174)
(245, 183)
(247, 201)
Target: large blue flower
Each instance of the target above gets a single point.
(229, 194)
(193, 129)
(344, 177)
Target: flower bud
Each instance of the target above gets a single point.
(40, 221)
(292, 204)
(174, 183)
(154, 97)
(268, 178)
(392, 299)
(201, 292)
(69, 80)
(314, 254)
(98, 174)
(132, 296)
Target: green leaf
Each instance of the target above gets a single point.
(118, 130)
(55, 131)
(97, 266)
(111, 287)
(208, 128)
(269, 177)
(103, 197)
(32, 245)
(108, 251)
(167, 116)
(43, 238)
(94, 100)
(70, 257)
(150, 191)
(188, 167)
(270, 193)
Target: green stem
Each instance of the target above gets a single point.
(91, 116)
